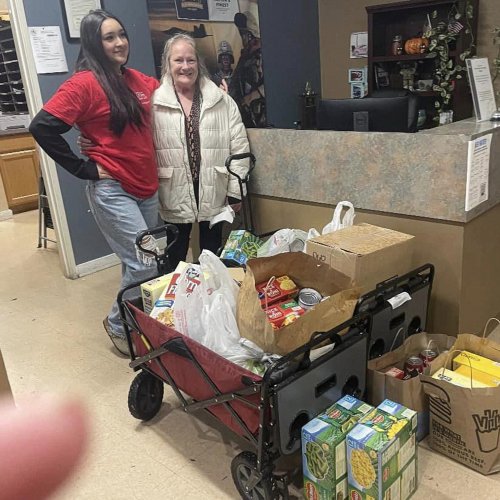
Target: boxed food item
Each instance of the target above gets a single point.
(284, 313)
(457, 378)
(367, 254)
(324, 452)
(489, 368)
(381, 454)
(240, 246)
(276, 290)
(163, 309)
(477, 376)
(151, 291)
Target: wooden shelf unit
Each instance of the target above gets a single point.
(408, 19)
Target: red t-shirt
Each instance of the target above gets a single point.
(129, 158)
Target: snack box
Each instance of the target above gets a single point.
(163, 310)
(240, 246)
(457, 378)
(151, 291)
(284, 313)
(477, 376)
(324, 450)
(381, 454)
(395, 372)
(490, 368)
(276, 290)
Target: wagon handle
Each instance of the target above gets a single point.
(162, 261)
(240, 156)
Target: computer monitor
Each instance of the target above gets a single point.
(370, 114)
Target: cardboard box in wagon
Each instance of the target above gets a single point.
(367, 254)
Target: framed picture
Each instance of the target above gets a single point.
(359, 44)
(75, 11)
(358, 90)
(357, 75)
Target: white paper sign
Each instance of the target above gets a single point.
(222, 10)
(76, 10)
(478, 171)
(48, 50)
(481, 84)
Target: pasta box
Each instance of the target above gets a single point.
(381, 454)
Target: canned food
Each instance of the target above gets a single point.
(308, 298)
(413, 366)
(428, 355)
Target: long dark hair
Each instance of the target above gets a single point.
(125, 107)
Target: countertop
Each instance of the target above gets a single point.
(421, 175)
(15, 131)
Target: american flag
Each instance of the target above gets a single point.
(455, 26)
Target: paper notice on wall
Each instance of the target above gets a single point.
(48, 50)
(478, 171)
(483, 95)
(222, 10)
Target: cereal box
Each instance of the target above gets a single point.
(490, 368)
(324, 450)
(163, 310)
(240, 246)
(478, 376)
(458, 378)
(381, 454)
(151, 291)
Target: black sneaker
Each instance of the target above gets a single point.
(119, 342)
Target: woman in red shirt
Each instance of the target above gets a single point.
(111, 105)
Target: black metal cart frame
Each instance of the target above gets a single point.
(278, 431)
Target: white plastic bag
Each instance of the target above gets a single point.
(338, 221)
(208, 313)
(284, 240)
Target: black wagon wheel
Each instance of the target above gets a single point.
(248, 484)
(145, 396)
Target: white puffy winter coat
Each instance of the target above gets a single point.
(221, 133)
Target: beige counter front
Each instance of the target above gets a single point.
(414, 183)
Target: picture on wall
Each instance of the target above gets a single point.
(357, 75)
(359, 44)
(230, 46)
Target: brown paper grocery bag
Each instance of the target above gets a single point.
(465, 423)
(409, 393)
(305, 271)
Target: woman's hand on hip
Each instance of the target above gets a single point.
(84, 144)
(103, 173)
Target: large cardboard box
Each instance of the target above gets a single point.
(367, 254)
(5, 390)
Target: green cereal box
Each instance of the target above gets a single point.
(324, 451)
(240, 246)
(381, 454)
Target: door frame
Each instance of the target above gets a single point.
(47, 165)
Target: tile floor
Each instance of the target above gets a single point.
(52, 340)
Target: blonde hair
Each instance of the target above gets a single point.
(167, 50)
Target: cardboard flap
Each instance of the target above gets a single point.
(362, 239)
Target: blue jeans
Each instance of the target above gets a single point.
(120, 216)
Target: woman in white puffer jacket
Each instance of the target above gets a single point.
(196, 127)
